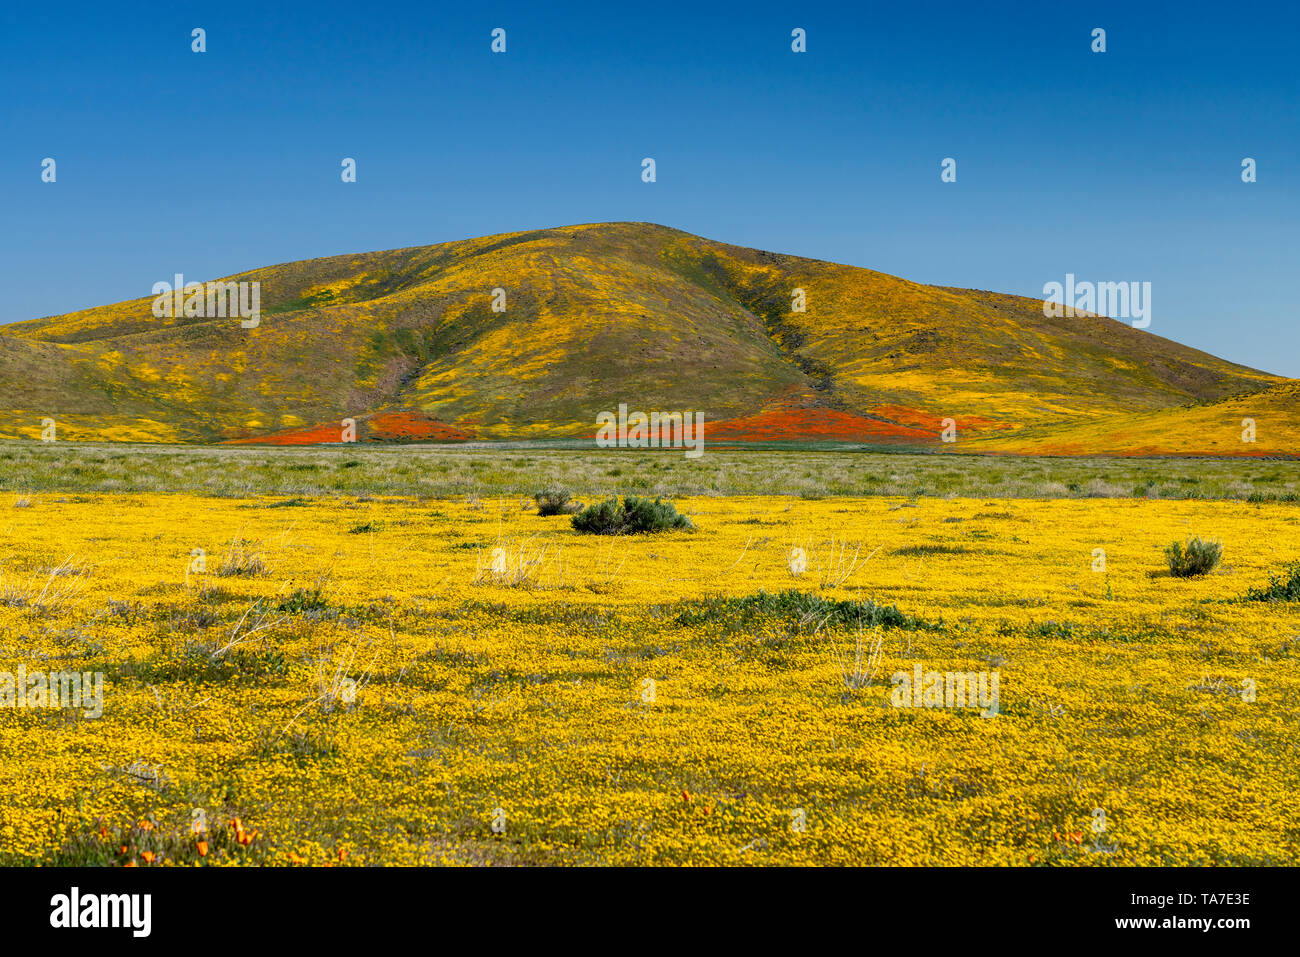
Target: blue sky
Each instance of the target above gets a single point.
(1122, 166)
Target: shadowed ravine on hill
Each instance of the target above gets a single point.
(407, 343)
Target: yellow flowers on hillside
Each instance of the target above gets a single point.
(434, 681)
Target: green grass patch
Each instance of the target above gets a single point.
(800, 607)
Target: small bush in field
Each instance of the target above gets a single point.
(555, 501)
(632, 516)
(1196, 558)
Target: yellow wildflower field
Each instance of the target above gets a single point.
(413, 681)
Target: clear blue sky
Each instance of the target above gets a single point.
(1117, 166)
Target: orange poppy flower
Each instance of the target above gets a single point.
(148, 857)
(203, 848)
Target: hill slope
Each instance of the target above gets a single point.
(1217, 428)
(597, 315)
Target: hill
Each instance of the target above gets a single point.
(407, 343)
